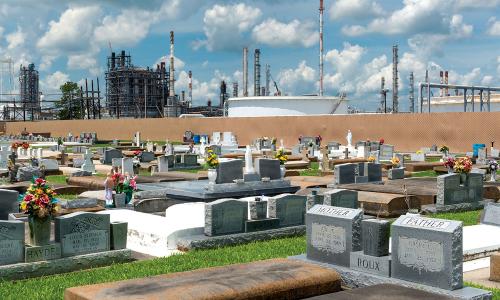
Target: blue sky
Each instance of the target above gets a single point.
(69, 40)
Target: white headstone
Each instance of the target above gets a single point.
(216, 138)
(127, 166)
(249, 161)
(88, 164)
(349, 139)
(137, 139)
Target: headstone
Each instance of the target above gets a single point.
(258, 209)
(289, 209)
(375, 233)
(313, 199)
(80, 173)
(118, 235)
(78, 162)
(216, 139)
(401, 158)
(165, 162)
(11, 242)
(127, 166)
(4, 157)
(396, 173)
(362, 152)
(418, 157)
(189, 160)
(109, 155)
(147, 156)
(268, 168)
(450, 192)
(88, 164)
(116, 162)
(427, 251)
(481, 156)
(217, 149)
(344, 173)
(341, 198)
(333, 233)
(491, 214)
(82, 233)
(495, 152)
(228, 171)
(8, 203)
(49, 164)
(42, 253)
(333, 146)
(28, 173)
(225, 216)
(79, 203)
(374, 172)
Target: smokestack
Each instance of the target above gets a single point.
(256, 73)
(245, 72)
(235, 89)
(383, 96)
(190, 88)
(441, 81)
(446, 92)
(395, 87)
(268, 78)
(112, 60)
(321, 9)
(412, 93)
(183, 96)
(172, 70)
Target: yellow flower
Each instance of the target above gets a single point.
(24, 206)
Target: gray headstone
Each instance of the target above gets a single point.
(289, 209)
(41, 253)
(228, 171)
(333, 233)
(345, 173)
(475, 184)
(165, 162)
(78, 162)
(491, 214)
(49, 164)
(118, 235)
(8, 203)
(109, 154)
(379, 265)
(258, 209)
(82, 233)
(313, 199)
(449, 190)
(268, 168)
(116, 162)
(386, 152)
(190, 160)
(225, 216)
(80, 173)
(79, 203)
(374, 172)
(11, 242)
(333, 146)
(396, 173)
(341, 198)
(427, 251)
(127, 165)
(375, 235)
(147, 156)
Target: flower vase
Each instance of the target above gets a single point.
(282, 171)
(119, 200)
(39, 230)
(463, 178)
(212, 176)
(450, 170)
(493, 177)
(128, 197)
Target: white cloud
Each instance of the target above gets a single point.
(224, 26)
(1, 31)
(277, 34)
(126, 29)
(298, 80)
(16, 39)
(345, 9)
(345, 61)
(416, 16)
(477, 3)
(178, 63)
(53, 81)
(494, 27)
(179, 9)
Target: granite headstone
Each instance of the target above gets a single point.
(289, 209)
(225, 216)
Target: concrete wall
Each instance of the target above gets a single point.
(408, 132)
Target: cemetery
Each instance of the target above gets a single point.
(337, 216)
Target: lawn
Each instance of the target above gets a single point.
(52, 287)
(467, 217)
(312, 171)
(56, 179)
(430, 173)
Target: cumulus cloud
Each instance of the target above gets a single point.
(494, 27)
(477, 3)
(298, 80)
(16, 39)
(277, 34)
(53, 81)
(224, 26)
(346, 9)
(128, 28)
(178, 63)
(347, 60)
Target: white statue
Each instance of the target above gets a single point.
(202, 146)
(349, 139)
(248, 161)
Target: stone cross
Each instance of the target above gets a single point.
(346, 153)
(325, 162)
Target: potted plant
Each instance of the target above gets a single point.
(493, 167)
(463, 166)
(283, 158)
(395, 162)
(449, 163)
(40, 205)
(212, 160)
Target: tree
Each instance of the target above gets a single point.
(68, 106)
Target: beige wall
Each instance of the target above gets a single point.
(408, 132)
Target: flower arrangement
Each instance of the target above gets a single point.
(25, 145)
(39, 200)
(395, 161)
(444, 149)
(371, 159)
(16, 145)
(493, 165)
(381, 141)
(449, 162)
(137, 152)
(118, 180)
(273, 140)
(463, 165)
(212, 159)
(281, 156)
(419, 152)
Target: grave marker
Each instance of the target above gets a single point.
(289, 209)
(228, 171)
(341, 198)
(11, 242)
(491, 214)
(225, 216)
(266, 167)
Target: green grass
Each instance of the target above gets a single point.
(312, 171)
(52, 287)
(56, 179)
(430, 173)
(67, 196)
(432, 159)
(496, 292)
(467, 217)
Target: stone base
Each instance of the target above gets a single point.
(41, 253)
(262, 224)
(495, 267)
(433, 208)
(251, 177)
(355, 279)
(371, 264)
(361, 179)
(205, 242)
(64, 265)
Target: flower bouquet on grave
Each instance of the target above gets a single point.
(371, 159)
(463, 166)
(493, 167)
(283, 158)
(419, 152)
(212, 160)
(40, 205)
(14, 145)
(118, 188)
(129, 187)
(137, 152)
(395, 162)
(25, 145)
(444, 149)
(449, 163)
